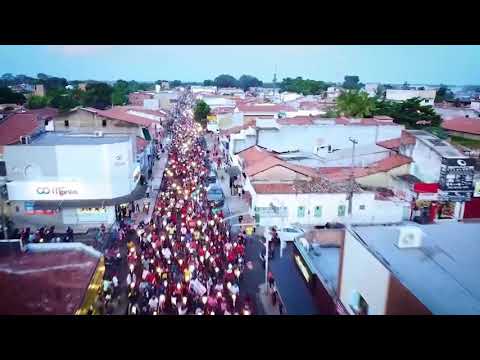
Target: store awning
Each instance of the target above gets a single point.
(136, 194)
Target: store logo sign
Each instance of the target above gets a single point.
(461, 162)
(60, 190)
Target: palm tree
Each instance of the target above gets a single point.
(354, 103)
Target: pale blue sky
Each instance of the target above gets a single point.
(456, 65)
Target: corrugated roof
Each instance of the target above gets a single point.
(394, 144)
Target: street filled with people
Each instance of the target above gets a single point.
(185, 260)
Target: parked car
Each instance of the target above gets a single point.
(285, 233)
(212, 177)
(216, 196)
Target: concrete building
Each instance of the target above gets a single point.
(404, 271)
(466, 127)
(428, 96)
(333, 92)
(206, 89)
(39, 90)
(136, 98)
(371, 89)
(166, 99)
(71, 179)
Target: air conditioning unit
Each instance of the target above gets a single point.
(410, 237)
(25, 139)
(98, 133)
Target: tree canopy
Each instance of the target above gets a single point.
(352, 82)
(7, 96)
(409, 113)
(248, 81)
(305, 87)
(225, 80)
(98, 95)
(37, 102)
(175, 83)
(444, 94)
(201, 112)
(208, 83)
(353, 103)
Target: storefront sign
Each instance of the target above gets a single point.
(476, 192)
(425, 187)
(56, 190)
(455, 196)
(457, 175)
(302, 268)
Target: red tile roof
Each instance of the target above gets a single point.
(257, 160)
(384, 165)
(222, 110)
(318, 185)
(45, 283)
(297, 120)
(377, 120)
(463, 124)
(45, 113)
(120, 113)
(394, 144)
(16, 125)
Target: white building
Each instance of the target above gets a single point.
(207, 89)
(371, 89)
(289, 96)
(428, 96)
(333, 92)
(73, 180)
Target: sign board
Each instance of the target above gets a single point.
(455, 196)
(45, 190)
(212, 118)
(270, 212)
(428, 196)
(457, 175)
(476, 192)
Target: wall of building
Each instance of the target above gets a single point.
(402, 95)
(362, 273)
(426, 165)
(89, 171)
(464, 135)
(384, 179)
(328, 202)
(401, 301)
(307, 138)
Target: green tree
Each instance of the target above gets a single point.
(175, 83)
(301, 86)
(98, 95)
(201, 112)
(355, 104)
(410, 113)
(381, 91)
(208, 83)
(247, 81)
(225, 80)
(405, 86)
(64, 102)
(42, 76)
(352, 82)
(7, 96)
(37, 102)
(120, 92)
(444, 94)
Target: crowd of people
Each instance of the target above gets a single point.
(185, 260)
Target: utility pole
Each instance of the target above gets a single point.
(274, 81)
(352, 177)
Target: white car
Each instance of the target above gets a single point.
(285, 233)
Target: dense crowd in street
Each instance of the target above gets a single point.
(184, 260)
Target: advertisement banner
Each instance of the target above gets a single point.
(457, 174)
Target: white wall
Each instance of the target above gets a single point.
(363, 273)
(92, 171)
(426, 164)
(402, 95)
(306, 138)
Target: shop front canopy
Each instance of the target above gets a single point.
(136, 194)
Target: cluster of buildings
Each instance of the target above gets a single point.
(76, 168)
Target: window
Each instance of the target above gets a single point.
(318, 211)
(362, 207)
(104, 122)
(301, 211)
(358, 304)
(341, 210)
(46, 122)
(66, 123)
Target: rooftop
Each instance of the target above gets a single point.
(45, 283)
(443, 273)
(60, 138)
(463, 124)
(123, 114)
(441, 147)
(394, 144)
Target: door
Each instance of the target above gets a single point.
(341, 210)
(472, 209)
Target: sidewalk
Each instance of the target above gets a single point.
(156, 180)
(266, 301)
